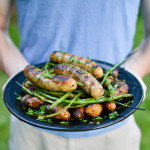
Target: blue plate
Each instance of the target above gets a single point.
(14, 106)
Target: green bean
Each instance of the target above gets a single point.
(105, 76)
(110, 70)
(59, 100)
(50, 92)
(77, 106)
(110, 88)
(50, 64)
(35, 94)
(46, 95)
(98, 100)
(52, 115)
(115, 80)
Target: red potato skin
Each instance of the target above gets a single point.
(65, 115)
(94, 110)
(84, 63)
(56, 83)
(90, 85)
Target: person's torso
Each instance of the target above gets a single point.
(101, 29)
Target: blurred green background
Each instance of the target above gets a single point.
(142, 117)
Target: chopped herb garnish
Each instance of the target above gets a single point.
(30, 112)
(85, 71)
(72, 59)
(81, 84)
(97, 122)
(23, 106)
(91, 122)
(92, 69)
(64, 122)
(85, 120)
(88, 58)
(49, 120)
(19, 97)
(113, 115)
(80, 76)
(87, 62)
(42, 108)
(41, 119)
(39, 75)
(76, 91)
(78, 61)
(97, 118)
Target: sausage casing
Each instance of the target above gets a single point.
(56, 83)
(90, 85)
(84, 63)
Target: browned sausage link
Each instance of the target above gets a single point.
(56, 83)
(110, 106)
(65, 115)
(84, 63)
(122, 88)
(90, 85)
(32, 102)
(94, 110)
(79, 113)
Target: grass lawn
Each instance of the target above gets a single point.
(142, 117)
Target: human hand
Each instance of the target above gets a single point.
(139, 79)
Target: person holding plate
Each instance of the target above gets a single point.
(102, 30)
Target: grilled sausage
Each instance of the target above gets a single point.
(84, 63)
(94, 110)
(65, 115)
(32, 102)
(90, 85)
(79, 113)
(56, 83)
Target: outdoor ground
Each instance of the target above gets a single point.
(142, 117)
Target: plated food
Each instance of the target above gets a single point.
(69, 88)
